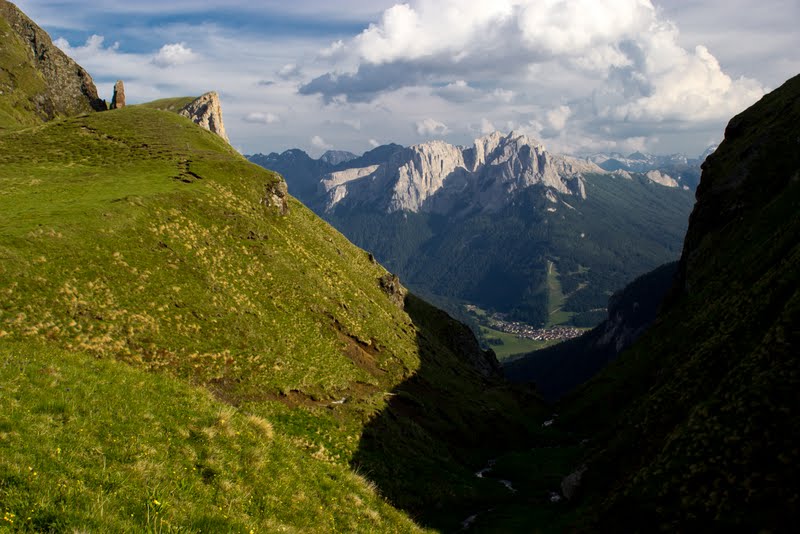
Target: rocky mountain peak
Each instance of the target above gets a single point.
(337, 157)
(424, 171)
(206, 111)
(484, 146)
(67, 88)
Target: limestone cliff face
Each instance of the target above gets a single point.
(67, 89)
(433, 176)
(206, 111)
(422, 173)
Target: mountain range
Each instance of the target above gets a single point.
(682, 169)
(504, 224)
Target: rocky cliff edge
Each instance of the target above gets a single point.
(206, 111)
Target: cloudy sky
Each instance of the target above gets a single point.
(580, 75)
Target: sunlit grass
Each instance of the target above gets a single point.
(96, 445)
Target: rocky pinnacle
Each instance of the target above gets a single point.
(206, 111)
(118, 100)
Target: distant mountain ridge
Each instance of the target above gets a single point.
(433, 176)
(683, 169)
(504, 224)
(672, 170)
(495, 166)
(335, 157)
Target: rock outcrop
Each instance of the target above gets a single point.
(118, 100)
(571, 484)
(390, 284)
(661, 178)
(59, 86)
(206, 111)
(277, 197)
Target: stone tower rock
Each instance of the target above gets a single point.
(118, 100)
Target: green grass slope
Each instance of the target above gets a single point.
(138, 237)
(170, 104)
(96, 445)
(696, 426)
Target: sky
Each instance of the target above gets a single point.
(580, 76)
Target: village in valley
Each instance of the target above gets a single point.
(498, 321)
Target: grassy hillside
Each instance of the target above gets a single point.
(137, 237)
(170, 104)
(696, 426)
(96, 445)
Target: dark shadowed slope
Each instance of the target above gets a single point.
(697, 425)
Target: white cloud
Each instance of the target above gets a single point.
(431, 128)
(487, 127)
(502, 95)
(621, 49)
(457, 91)
(558, 117)
(373, 143)
(289, 71)
(335, 49)
(319, 142)
(686, 86)
(93, 45)
(173, 54)
(630, 79)
(258, 117)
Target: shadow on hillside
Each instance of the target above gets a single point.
(444, 423)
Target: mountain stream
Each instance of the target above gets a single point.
(467, 523)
